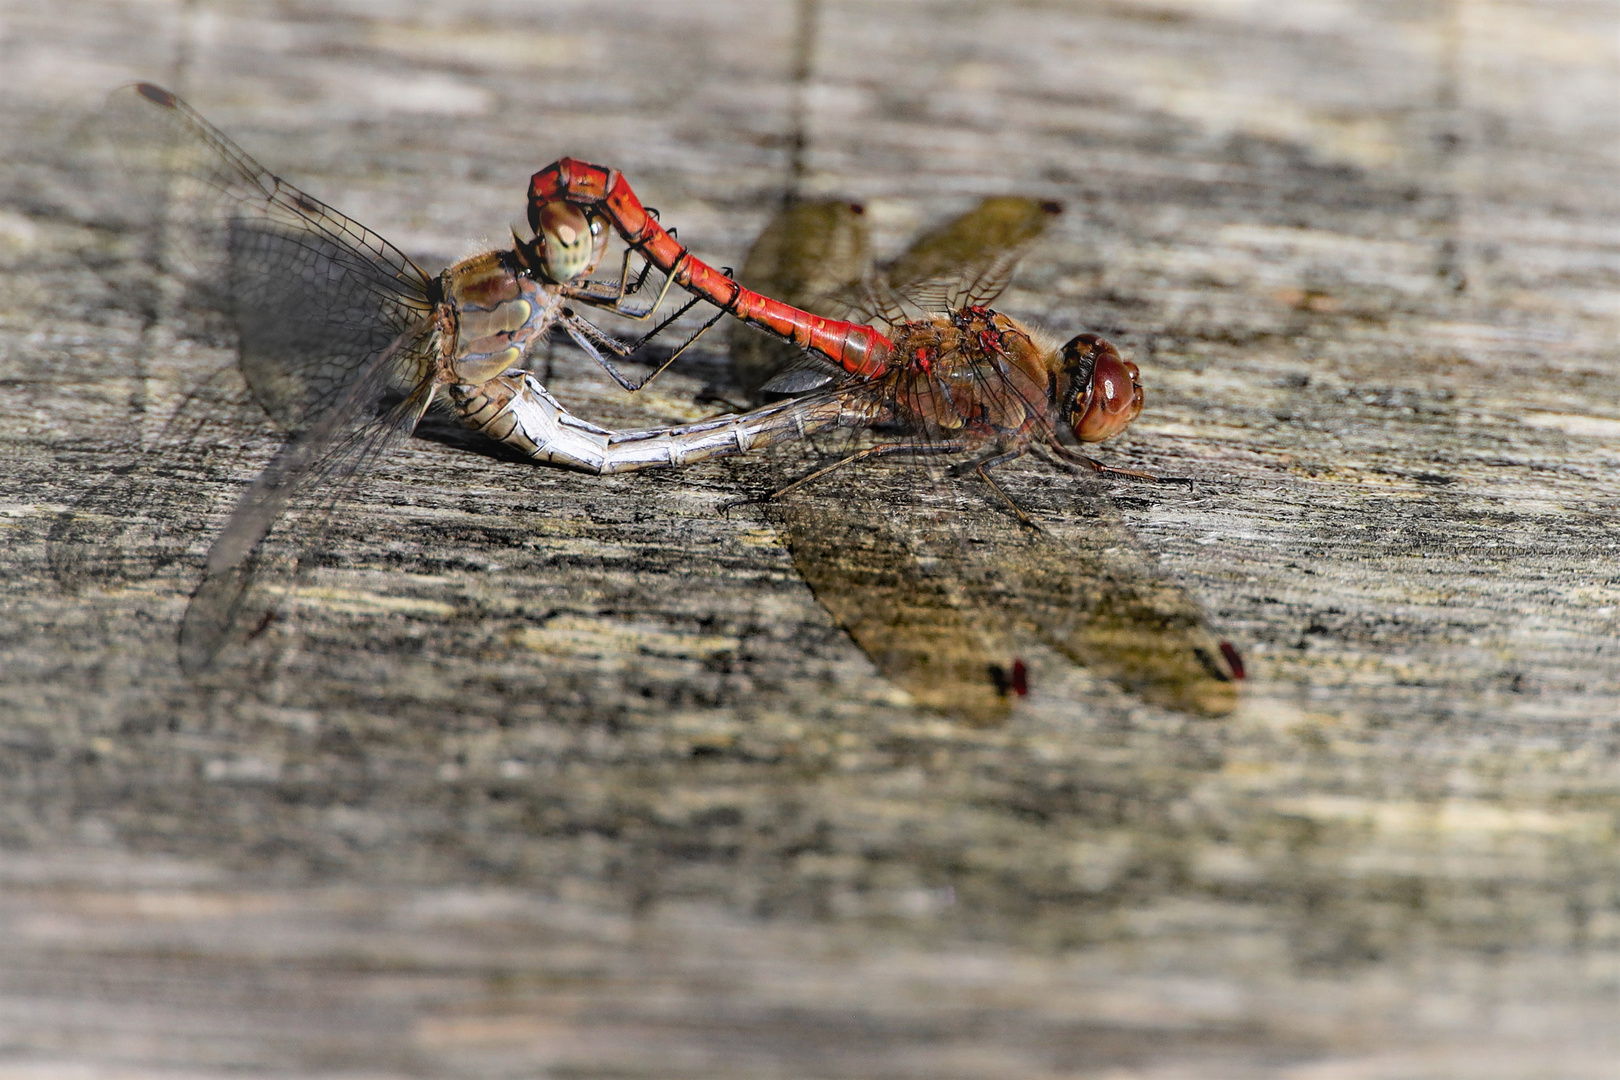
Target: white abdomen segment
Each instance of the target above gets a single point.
(517, 410)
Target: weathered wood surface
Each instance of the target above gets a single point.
(559, 776)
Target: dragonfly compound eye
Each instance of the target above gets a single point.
(570, 240)
(1107, 392)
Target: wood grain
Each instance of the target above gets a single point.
(545, 775)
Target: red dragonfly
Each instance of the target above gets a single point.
(968, 377)
(959, 380)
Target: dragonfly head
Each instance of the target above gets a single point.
(1103, 394)
(568, 240)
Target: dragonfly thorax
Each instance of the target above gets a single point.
(972, 370)
(493, 314)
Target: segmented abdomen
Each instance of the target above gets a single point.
(518, 411)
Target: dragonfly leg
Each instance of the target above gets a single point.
(627, 289)
(593, 340)
(1068, 457)
(612, 295)
(598, 345)
(881, 450)
(983, 466)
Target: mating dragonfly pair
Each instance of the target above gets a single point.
(347, 343)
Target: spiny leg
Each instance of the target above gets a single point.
(881, 450)
(983, 466)
(612, 295)
(856, 347)
(594, 341)
(626, 289)
(591, 338)
(1064, 455)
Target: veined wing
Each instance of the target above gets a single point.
(1082, 586)
(327, 320)
(328, 453)
(866, 544)
(815, 255)
(971, 258)
(310, 297)
(143, 519)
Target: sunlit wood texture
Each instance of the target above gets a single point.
(570, 777)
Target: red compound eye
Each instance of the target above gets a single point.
(1112, 399)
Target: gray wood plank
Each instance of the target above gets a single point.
(546, 775)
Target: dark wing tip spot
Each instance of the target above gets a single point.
(1051, 206)
(1007, 682)
(155, 94)
(1233, 659)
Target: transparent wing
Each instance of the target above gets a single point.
(815, 255)
(1074, 580)
(142, 521)
(970, 259)
(309, 297)
(950, 583)
(327, 321)
(325, 456)
(1082, 587)
(865, 542)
